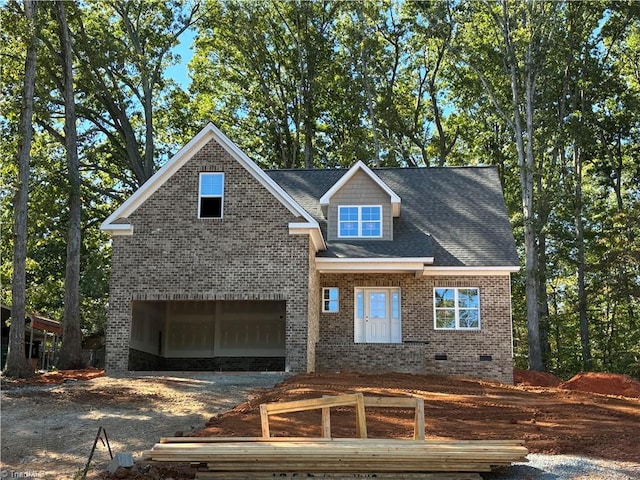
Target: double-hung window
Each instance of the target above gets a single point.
(456, 308)
(211, 195)
(360, 221)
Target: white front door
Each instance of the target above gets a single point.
(377, 315)
(377, 321)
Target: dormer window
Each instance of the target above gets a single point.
(211, 195)
(360, 221)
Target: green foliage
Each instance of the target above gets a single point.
(323, 84)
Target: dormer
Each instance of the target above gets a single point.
(360, 206)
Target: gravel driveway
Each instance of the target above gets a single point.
(48, 432)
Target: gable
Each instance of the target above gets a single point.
(358, 170)
(359, 190)
(117, 223)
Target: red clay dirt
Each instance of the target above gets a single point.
(535, 379)
(605, 383)
(57, 377)
(550, 420)
(553, 420)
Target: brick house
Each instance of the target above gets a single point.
(220, 265)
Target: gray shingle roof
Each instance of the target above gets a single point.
(456, 215)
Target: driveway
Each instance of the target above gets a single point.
(48, 431)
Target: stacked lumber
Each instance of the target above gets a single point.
(340, 454)
(338, 458)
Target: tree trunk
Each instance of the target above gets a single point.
(17, 364)
(71, 351)
(531, 252)
(367, 85)
(526, 166)
(579, 227)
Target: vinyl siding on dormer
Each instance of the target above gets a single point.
(360, 190)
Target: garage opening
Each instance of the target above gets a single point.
(228, 335)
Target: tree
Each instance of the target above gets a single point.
(524, 31)
(17, 364)
(262, 71)
(71, 351)
(123, 49)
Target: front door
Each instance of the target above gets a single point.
(377, 322)
(377, 315)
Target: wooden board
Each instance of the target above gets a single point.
(206, 475)
(339, 458)
(355, 400)
(344, 455)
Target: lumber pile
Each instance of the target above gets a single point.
(326, 457)
(341, 454)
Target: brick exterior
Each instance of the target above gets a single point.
(336, 350)
(250, 255)
(247, 255)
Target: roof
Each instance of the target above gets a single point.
(37, 321)
(116, 223)
(456, 215)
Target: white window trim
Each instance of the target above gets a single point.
(360, 221)
(325, 310)
(456, 310)
(200, 195)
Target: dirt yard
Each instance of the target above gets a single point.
(49, 430)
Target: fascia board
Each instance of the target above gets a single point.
(159, 178)
(118, 228)
(469, 271)
(395, 199)
(372, 265)
(312, 229)
(208, 133)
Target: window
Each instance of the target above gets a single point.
(377, 315)
(457, 308)
(211, 195)
(360, 221)
(330, 302)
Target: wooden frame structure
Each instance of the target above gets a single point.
(325, 403)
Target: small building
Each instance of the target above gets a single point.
(42, 339)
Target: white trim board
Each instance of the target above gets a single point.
(394, 198)
(208, 133)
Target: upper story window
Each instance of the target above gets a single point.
(211, 195)
(456, 308)
(364, 221)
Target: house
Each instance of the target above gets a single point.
(220, 265)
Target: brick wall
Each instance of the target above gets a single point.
(421, 343)
(173, 255)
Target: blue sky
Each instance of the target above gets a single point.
(184, 49)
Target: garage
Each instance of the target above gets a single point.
(223, 335)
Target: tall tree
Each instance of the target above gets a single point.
(263, 71)
(524, 31)
(71, 351)
(17, 364)
(123, 48)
